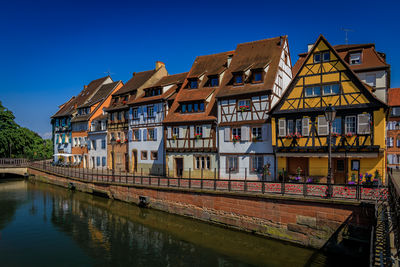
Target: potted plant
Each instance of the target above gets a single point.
(266, 170)
(349, 135)
(236, 138)
(124, 102)
(197, 136)
(244, 108)
(256, 138)
(377, 178)
(126, 140)
(174, 136)
(334, 134)
(118, 141)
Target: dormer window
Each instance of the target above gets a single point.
(193, 84)
(192, 107)
(257, 76)
(214, 81)
(153, 92)
(355, 58)
(238, 79)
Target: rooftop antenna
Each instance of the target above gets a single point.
(108, 72)
(346, 32)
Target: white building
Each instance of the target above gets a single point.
(257, 76)
(97, 148)
(146, 133)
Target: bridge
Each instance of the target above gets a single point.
(13, 166)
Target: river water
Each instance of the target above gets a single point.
(45, 225)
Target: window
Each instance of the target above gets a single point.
(390, 142)
(136, 135)
(256, 133)
(244, 105)
(103, 161)
(103, 143)
(238, 79)
(355, 58)
(257, 76)
(214, 81)
(312, 91)
(126, 115)
(151, 134)
(236, 133)
(150, 111)
(119, 114)
(152, 92)
(201, 106)
(202, 162)
(135, 113)
(175, 131)
(192, 107)
(298, 126)
(364, 124)
(154, 155)
(282, 127)
(337, 126)
(183, 108)
(350, 124)
(94, 145)
(193, 84)
(317, 58)
(326, 56)
(290, 127)
(199, 132)
(331, 89)
(98, 161)
(195, 107)
(398, 141)
(395, 111)
(256, 164)
(371, 80)
(232, 164)
(144, 155)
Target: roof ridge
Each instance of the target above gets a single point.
(263, 40)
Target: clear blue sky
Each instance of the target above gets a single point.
(50, 49)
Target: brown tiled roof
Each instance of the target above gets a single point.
(86, 93)
(135, 82)
(203, 65)
(254, 55)
(176, 80)
(394, 97)
(370, 58)
(104, 91)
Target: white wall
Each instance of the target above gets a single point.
(244, 167)
(97, 138)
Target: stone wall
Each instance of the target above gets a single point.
(314, 223)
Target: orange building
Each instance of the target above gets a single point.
(393, 129)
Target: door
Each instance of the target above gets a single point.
(339, 170)
(126, 162)
(134, 161)
(296, 165)
(179, 166)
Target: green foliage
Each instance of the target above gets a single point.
(20, 142)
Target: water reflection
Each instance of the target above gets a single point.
(58, 226)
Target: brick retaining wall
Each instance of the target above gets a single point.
(315, 223)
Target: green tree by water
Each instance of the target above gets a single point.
(19, 141)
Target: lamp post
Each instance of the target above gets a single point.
(330, 114)
(113, 141)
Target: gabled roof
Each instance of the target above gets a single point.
(84, 95)
(374, 101)
(104, 91)
(394, 97)
(175, 81)
(370, 58)
(252, 56)
(203, 66)
(137, 80)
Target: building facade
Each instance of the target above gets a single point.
(300, 130)
(191, 125)
(146, 132)
(257, 75)
(97, 138)
(393, 129)
(118, 116)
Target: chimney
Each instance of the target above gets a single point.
(280, 40)
(133, 74)
(309, 46)
(229, 60)
(159, 64)
(84, 87)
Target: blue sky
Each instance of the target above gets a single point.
(50, 49)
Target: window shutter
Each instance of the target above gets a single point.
(139, 134)
(130, 136)
(144, 134)
(139, 111)
(131, 113)
(322, 126)
(144, 112)
(191, 132)
(264, 133)
(155, 108)
(155, 134)
(363, 126)
(227, 133)
(282, 127)
(204, 131)
(245, 133)
(89, 145)
(169, 132)
(305, 126)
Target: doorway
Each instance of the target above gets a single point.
(339, 170)
(126, 162)
(179, 167)
(134, 161)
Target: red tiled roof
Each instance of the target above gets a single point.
(394, 97)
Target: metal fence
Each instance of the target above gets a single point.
(10, 162)
(298, 189)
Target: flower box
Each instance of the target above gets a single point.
(235, 138)
(294, 136)
(118, 141)
(244, 108)
(198, 136)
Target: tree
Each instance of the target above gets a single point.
(18, 142)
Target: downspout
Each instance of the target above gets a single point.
(218, 156)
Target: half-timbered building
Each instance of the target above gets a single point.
(190, 125)
(257, 75)
(300, 130)
(118, 116)
(146, 134)
(393, 129)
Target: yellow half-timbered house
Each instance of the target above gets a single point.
(300, 130)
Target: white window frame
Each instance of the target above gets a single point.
(359, 124)
(356, 57)
(282, 127)
(330, 86)
(322, 125)
(346, 130)
(313, 91)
